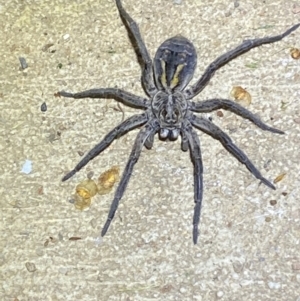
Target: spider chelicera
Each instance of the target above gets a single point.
(169, 109)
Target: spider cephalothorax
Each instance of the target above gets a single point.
(169, 110)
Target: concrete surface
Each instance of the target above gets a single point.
(249, 242)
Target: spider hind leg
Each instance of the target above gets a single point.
(215, 132)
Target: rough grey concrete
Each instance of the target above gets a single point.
(248, 248)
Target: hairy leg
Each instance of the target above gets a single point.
(194, 145)
(147, 75)
(229, 105)
(125, 97)
(127, 125)
(144, 133)
(228, 56)
(214, 131)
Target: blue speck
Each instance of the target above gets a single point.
(27, 167)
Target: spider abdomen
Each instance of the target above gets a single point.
(174, 64)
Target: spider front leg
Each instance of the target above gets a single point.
(148, 130)
(126, 126)
(225, 58)
(147, 75)
(125, 97)
(195, 151)
(211, 129)
(229, 105)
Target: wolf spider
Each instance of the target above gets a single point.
(169, 109)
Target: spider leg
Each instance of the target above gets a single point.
(142, 52)
(228, 56)
(126, 126)
(214, 131)
(148, 129)
(117, 94)
(229, 105)
(195, 151)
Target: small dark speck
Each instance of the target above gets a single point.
(74, 238)
(220, 114)
(46, 47)
(44, 107)
(72, 201)
(30, 267)
(80, 153)
(236, 4)
(23, 63)
(90, 175)
(267, 163)
(268, 219)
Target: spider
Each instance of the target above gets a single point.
(169, 109)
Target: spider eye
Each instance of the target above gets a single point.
(164, 113)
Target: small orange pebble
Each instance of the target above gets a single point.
(87, 189)
(241, 95)
(295, 53)
(279, 178)
(107, 180)
(81, 203)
